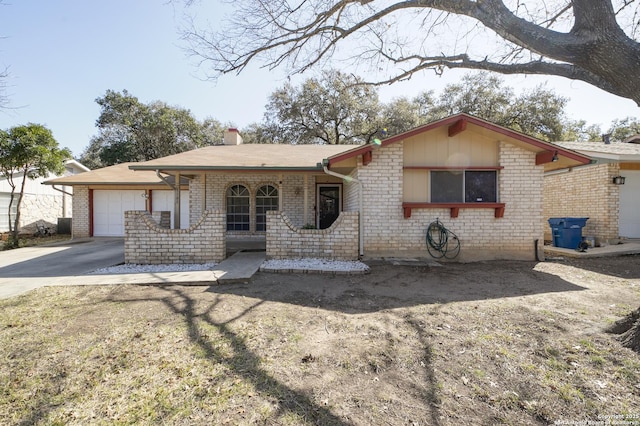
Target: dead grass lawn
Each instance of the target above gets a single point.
(489, 343)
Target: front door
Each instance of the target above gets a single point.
(329, 204)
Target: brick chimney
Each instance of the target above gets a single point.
(232, 137)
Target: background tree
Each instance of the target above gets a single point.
(129, 130)
(402, 114)
(624, 128)
(315, 111)
(590, 40)
(331, 109)
(538, 112)
(581, 131)
(27, 152)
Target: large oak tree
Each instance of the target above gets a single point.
(129, 130)
(590, 40)
(332, 109)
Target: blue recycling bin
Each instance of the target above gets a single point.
(567, 231)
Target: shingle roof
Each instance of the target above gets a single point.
(219, 157)
(619, 151)
(247, 156)
(112, 175)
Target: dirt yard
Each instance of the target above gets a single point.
(484, 343)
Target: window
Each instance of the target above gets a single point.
(238, 208)
(446, 186)
(5, 197)
(266, 199)
(469, 186)
(480, 187)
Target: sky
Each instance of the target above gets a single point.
(62, 55)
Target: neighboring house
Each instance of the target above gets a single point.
(483, 181)
(596, 191)
(102, 196)
(40, 204)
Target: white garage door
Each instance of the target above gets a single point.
(109, 207)
(629, 222)
(163, 201)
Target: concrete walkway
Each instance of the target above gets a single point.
(238, 268)
(626, 248)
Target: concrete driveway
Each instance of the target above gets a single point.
(31, 267)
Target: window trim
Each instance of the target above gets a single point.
(464, 185)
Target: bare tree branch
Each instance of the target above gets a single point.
(577, 39)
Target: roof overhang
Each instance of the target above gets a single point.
(202, 169)
(552, 156)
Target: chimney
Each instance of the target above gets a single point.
(232, 137)
(606, 139)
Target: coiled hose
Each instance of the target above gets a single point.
(441, 242)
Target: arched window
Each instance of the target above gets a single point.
(266, 199)
(238, 208)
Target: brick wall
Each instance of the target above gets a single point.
(80, 221)
(147, 243)
(162, 218)
(482, 236)
(339, 241)
(585, 192)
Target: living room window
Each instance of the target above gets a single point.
(463, 186)
(238, 208)
(266, 199)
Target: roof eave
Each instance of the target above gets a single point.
(102, 183)
(224, 168)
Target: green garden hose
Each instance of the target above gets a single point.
(441, 242)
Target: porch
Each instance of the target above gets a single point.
(149, 242)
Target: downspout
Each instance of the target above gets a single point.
(64, 199)
(176, 197)
(62, 190)
(360, 201)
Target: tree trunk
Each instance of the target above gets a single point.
(628, 330)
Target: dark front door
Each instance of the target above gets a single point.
(329, 204)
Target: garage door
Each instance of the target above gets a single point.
(109, 207)
(629, 222)
(163, 201)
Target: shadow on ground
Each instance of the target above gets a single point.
(389, 287)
